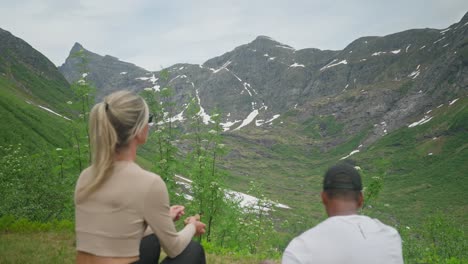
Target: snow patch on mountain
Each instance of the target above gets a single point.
(272, 119)
(246, 87)
(285, 47)
(378, 53)
(175, 78)
(228, 124)
(205, 117)
(333, 64)
(439, 40)
(424, 120)
(245, 200)
(350, 154)
(453, 101)
(55, 113)
(407, 47)
(296, 65)
(248, 119)
(415, 73)
(445, 30)
(222, 67)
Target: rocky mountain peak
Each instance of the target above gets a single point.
(2, 31)
(464, 18)
(265, 42)
(76, 48)
(378, 82)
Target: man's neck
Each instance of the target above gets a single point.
(341, 208)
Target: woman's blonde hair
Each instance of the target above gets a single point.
(113, 123)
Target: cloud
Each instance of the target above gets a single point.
(153, 33)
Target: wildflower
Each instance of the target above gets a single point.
(69, 102)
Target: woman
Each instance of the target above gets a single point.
(116, 200)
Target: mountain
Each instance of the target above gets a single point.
(375, 81)
(33, 96)
(106, 72)
(288, 114)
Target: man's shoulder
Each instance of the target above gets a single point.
(310, 243)
(334, 228)
(317, 234)
(377, 224)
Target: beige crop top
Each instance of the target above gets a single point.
(111, 221)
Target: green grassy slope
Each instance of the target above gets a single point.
(31, 73)
(27, 124)
(29, 80)
(415, 183)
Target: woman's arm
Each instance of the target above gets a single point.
(157, 215)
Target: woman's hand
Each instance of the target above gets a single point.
(199, 226)
(176, 211)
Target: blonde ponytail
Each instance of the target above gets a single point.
(113, 123)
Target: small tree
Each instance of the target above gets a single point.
(83, 99)
(206, 149)
(161, 105)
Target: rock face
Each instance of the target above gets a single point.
(31, 72)
(376, 84)
(106, 72)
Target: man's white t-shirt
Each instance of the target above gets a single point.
(346, 239)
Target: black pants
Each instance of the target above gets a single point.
(150, 250)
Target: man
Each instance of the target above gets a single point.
(345, 236)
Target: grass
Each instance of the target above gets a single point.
(21, 122)
(415, 184)
(41, 247)
(59, 247)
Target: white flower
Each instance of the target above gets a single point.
(69, 102)
(58, 149)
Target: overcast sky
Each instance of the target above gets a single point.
(154, 34)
